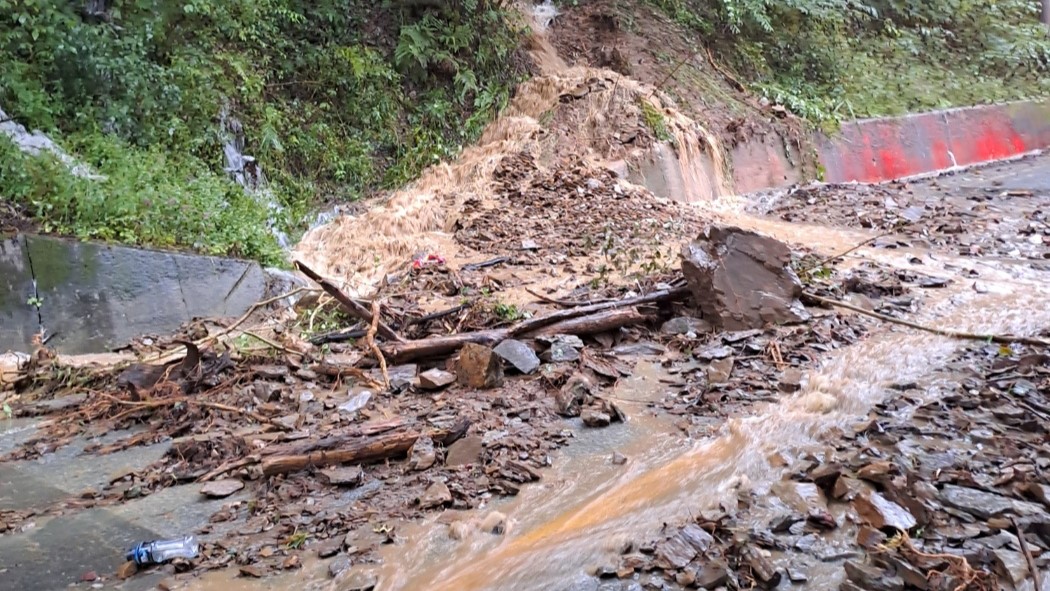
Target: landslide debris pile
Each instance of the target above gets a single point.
(302, 427)
(569, 128)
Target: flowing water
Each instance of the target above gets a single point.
(585, 507)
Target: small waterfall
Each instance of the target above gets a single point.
(245, 170)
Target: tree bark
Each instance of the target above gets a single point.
(368, 450)
(432, 347)
(594, 324)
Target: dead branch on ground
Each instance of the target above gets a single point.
(405, 351)
(944, 332)
(349, 304)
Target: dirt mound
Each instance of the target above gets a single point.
(582, 118)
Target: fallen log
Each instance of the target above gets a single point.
(297, 448)
(349, 304)
(357, 449)
(408, 350)
(366, 450)
(593, 324)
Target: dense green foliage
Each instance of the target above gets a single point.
(838, 59)
(337, 98)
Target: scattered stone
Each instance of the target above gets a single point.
(89, 576)
(218, 489)
(357, 580)
(680, 549)
(796, 575)
(697, 537)
(685, 577)
(713, 352)
(847, 488)
(422, 455)
(719, 370)
(338, 566)
(356, 402)
(1011, 564)
(869, 537)
(674, 552)
(271, 372)
(464, 451)
(881, 513)
(563, 349)
(574, 394)
(529, 245)
(401, 376)
(435, 379)
(519, 355)
(167, 585)
(594, 418)
(436, 495)
(127, 570)
(685, 325)
(569, 339)
(619, 459)
(329, 548)
(459, 530)
(494, 523)
(984, 505)
(641, 349)
(870, 578)
(790, 381)
(712, 575)
(479, 367)
(289, 422)
(345, 476)
(742, 279)
(803, 497)
(291, 562)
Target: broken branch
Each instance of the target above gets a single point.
(369, 450)
(595, 323)
(944, 332)
(352, 307)
(408, 350)
(1028, 556)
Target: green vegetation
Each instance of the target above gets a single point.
(654, 120)
(829, 60)
(337, 98)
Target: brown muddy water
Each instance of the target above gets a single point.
(586, 507)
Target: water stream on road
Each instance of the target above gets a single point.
(584, 511)
(585, 507)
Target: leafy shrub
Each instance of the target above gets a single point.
(837, 59)
(337, 97)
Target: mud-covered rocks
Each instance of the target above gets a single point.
(479, 367)
(742, 279)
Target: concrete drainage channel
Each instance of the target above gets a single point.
(88, 297)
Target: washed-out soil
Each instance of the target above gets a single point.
(635, 39)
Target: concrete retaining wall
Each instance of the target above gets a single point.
(94, 297)
(873, 150)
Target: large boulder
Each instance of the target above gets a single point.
(742, 279)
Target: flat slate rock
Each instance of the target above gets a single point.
(218, 489)
(519, 355)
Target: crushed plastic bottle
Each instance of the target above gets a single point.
(159, 551)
